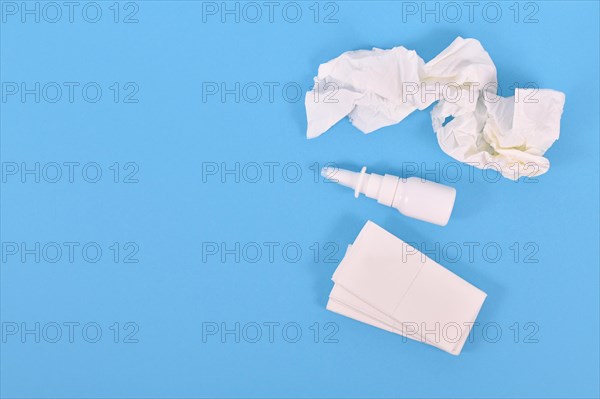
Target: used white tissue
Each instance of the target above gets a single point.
(389, 284)
(377, 88)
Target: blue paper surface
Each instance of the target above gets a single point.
(165, 232)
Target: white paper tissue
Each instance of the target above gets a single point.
(377, 88)
(385, 282)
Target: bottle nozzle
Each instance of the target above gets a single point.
(345, 177)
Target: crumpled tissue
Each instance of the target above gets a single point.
(377, 88)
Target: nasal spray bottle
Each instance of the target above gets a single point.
(413, 197)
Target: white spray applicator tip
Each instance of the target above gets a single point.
(353, 180)
(328, 172)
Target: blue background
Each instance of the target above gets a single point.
(170, 133)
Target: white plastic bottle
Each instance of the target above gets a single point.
(414, 197)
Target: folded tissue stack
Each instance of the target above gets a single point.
(385, 282)
(377, 88)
